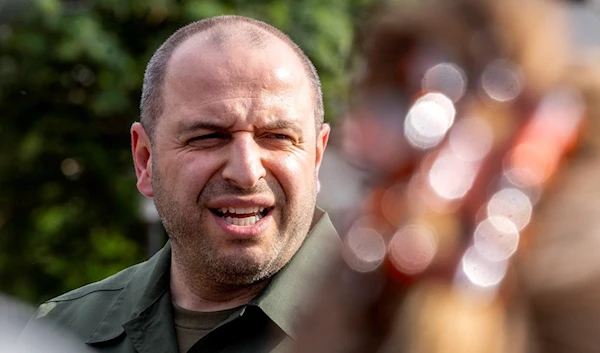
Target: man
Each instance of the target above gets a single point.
(229, 146)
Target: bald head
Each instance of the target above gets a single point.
(219, 32)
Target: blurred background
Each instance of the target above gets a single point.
(70, 80)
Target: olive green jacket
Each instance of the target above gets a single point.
(132, 310)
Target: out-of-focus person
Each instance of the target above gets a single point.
(478, 122)
(14, 315)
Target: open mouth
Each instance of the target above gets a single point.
(241, 216)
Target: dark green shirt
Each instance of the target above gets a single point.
(132, 311)
(192, 325)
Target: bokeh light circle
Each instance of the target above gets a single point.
(446, 78)
(364, 249)
(450, 176)
(512, 204)
(482, 271)
(501, 81)
(428, 120)
(412, 249)
(496, 238)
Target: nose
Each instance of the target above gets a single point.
(244, 167)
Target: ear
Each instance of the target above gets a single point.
(142, 158)
(322, 138)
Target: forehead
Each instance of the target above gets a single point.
(202, 73)
(243, 55)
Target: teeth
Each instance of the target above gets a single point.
(242, 210)
(245, 210)
(245, 221)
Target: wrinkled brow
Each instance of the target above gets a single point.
(187, 127)
(282, 125)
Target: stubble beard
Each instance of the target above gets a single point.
(201, 262)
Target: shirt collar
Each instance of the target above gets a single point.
(146, 287)
(282, 300)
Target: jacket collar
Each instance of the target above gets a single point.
(147, 317)
(282, 300)
(145, 289)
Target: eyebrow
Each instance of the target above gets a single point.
(282, 125)
(186, 127)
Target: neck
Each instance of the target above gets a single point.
(200, 294)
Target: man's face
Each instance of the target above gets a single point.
(235, 156)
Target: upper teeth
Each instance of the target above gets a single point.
(242, 210)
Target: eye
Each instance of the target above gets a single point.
(208, 140)
(279, 136)
(214, 135)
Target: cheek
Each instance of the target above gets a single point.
(293, 172)
(189, 173)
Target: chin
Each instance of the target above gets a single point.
(244, 268)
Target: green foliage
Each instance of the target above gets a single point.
(70, 81)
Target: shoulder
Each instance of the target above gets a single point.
(92, 298)
(110, 284)
(80, 310)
